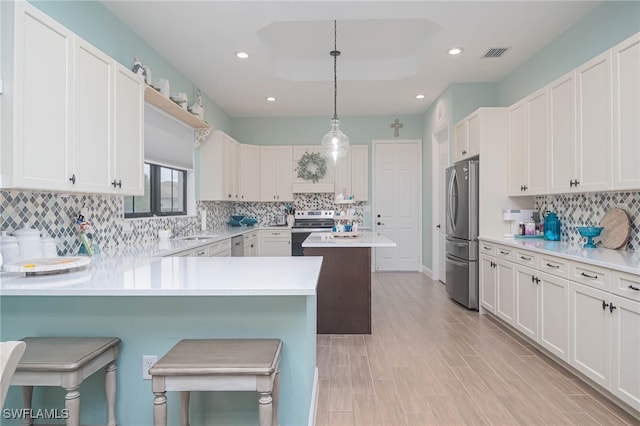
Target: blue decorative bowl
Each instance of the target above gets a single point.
(234, 222)
(589, 232)
(237, 218)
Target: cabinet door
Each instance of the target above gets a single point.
(590, 333)
(562, 140)
(269, 173)
(360, 172)
(625, 351)
(487, 283)
(594, 115)
(505, 291)
(554, 315)
(526, 301)
(129, 132)
(230, 169)
(249, 176)
(284, 178)
(537, 142)
(43, 105)
(459, 141)
(626, 110)
(517, 148)
(473, 135)
(343, 174)
(93, 119)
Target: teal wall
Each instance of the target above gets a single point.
(151, 326)
(96, 24)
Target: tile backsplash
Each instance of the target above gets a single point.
(588, 209)
(55, 214)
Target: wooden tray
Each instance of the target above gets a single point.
(347, 234)
(617, 229)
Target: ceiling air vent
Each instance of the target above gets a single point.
(495, 52)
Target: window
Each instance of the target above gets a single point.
(165, 193)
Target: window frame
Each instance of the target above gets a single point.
(155, 194)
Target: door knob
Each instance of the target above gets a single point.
(438, 226)
(378, 215)
(380, 223)
(73, 178)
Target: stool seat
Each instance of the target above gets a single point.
(66, 362)
(218, 365)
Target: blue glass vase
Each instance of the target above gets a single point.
(551, 227)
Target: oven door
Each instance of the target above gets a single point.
(297, 238)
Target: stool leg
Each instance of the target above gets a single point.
(160, 409)
(110, 389)
(27, 395)
(265, 409)
(275, 395)
(184, 403)
(72, 405)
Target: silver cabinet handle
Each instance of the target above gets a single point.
(525, 258)
(486, 248)
(504, 252)
(634, 288)
(595, 277)
(553, 266)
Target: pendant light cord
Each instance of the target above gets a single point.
(335, 53)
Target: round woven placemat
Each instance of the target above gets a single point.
(617, 229)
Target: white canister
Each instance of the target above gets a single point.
(9, 248)
(29, 242)
(49, 248)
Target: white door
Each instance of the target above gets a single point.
(625, 345)
(440, 162)
(526, 302)
(505, 291)
(397, 203)
(487, 283)
(554, 315)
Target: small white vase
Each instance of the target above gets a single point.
(290, 220)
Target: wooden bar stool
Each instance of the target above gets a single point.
(218, 365)
(66, 362)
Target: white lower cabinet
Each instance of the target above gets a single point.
(251, 244)
(487, 283)
(526, 284)
(553, 329)
(625, 350)
(505, 291)
(275, 243)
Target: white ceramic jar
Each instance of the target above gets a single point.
(9, 248)
(29, 242)
(49, 248)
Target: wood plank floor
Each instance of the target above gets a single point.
(430, 361)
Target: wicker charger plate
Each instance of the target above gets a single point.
(617, 229)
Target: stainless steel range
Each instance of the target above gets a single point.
(308, 221)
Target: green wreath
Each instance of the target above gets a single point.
(312, 166)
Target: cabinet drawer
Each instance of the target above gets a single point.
(220, 246)
(504, 252)
(626, 285)
(590, 275)
(276, 234)
(202, 251)
(527, 258)
(553, 265)
(487, 248)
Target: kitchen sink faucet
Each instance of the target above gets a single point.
(181, 229)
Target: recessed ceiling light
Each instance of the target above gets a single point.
(455, 51)
(242, 55)
(270, 99)
(419, 96)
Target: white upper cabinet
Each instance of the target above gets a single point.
(219, 168)
(466, 138)
(249, 174)
(276, 181)
(528, 144)
(352, 173)
(37, 108)
(626, 112)
(562, 142)
(59, 122)
(594, 118)
(128, 144)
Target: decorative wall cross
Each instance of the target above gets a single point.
(397, 125)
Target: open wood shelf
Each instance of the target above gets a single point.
(160, 101)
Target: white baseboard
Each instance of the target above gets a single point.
(314, 399)
(427, 271)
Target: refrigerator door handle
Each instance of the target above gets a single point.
(455, 262)
(453, 201)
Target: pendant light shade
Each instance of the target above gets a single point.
(335, 144)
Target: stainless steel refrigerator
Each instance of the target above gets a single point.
(462, 233)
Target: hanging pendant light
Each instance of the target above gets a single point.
(335, 144)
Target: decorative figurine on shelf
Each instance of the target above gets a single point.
(196, 108)
(139, 69)
(86, 247)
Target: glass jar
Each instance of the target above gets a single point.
(551, 227)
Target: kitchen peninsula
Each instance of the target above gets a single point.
(153, 302)
(344, 287)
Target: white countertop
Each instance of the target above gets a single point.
(175, 276)
(625, 261)
(367, 239)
